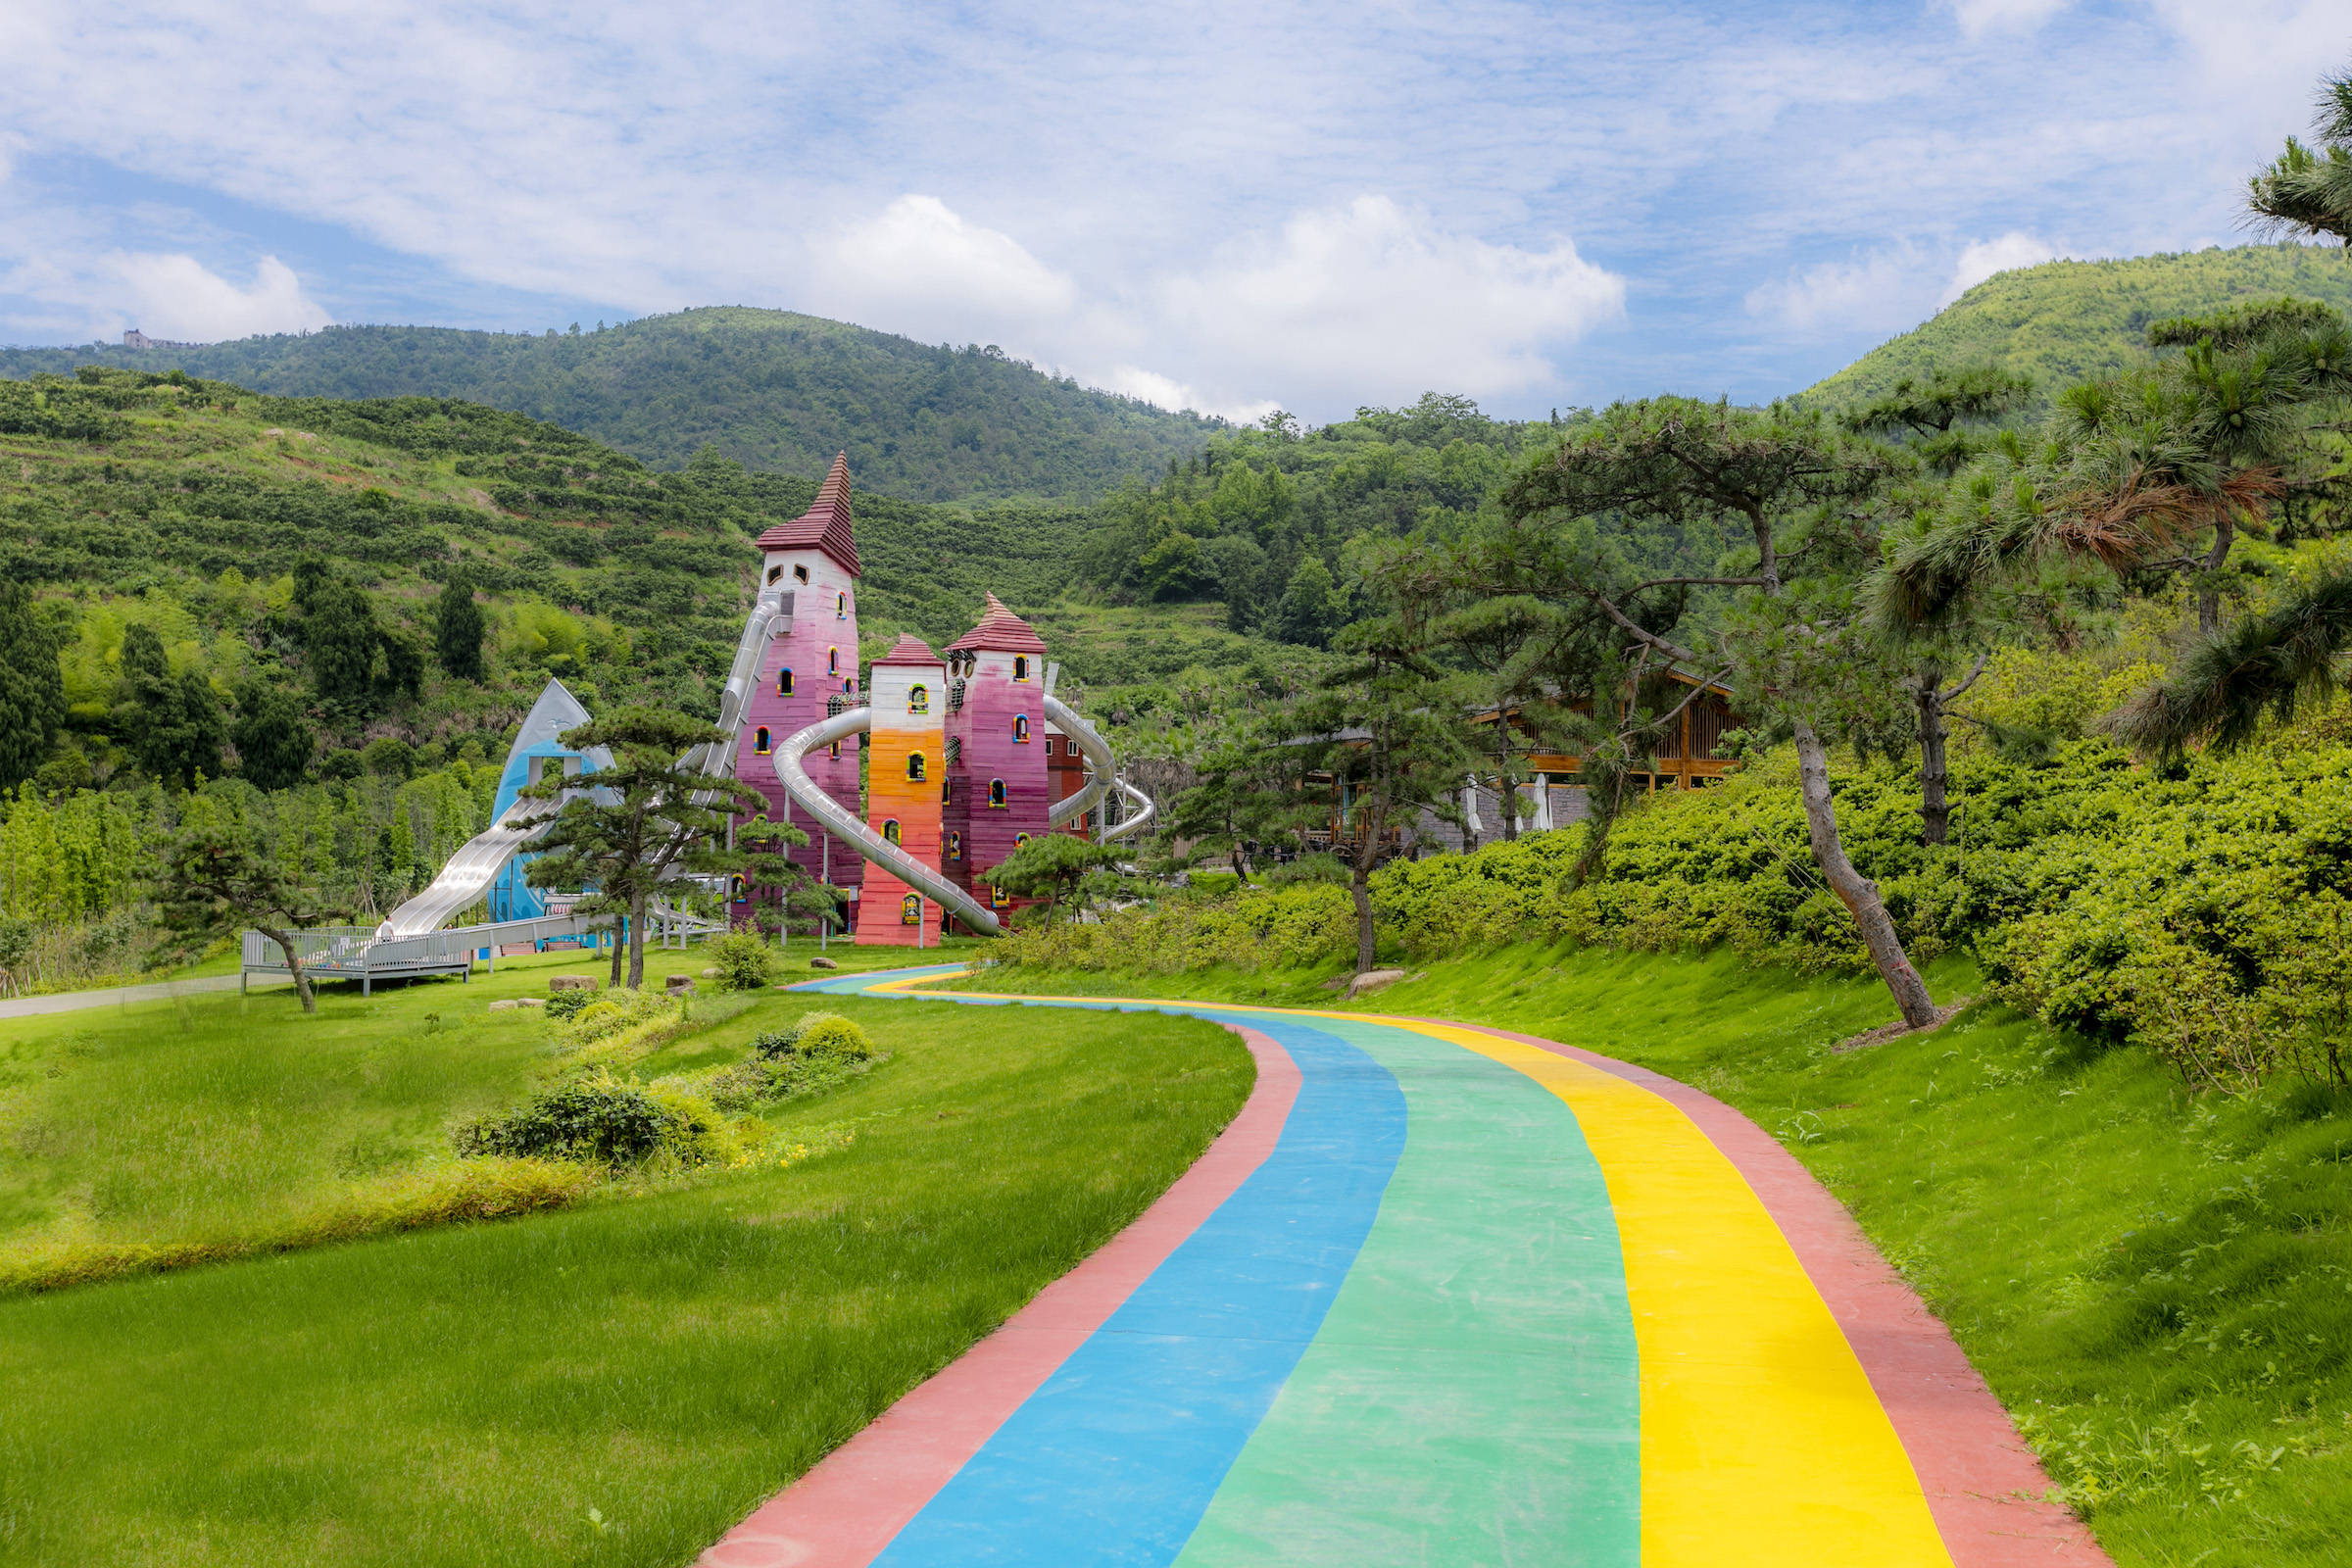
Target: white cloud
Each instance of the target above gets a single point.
(1986, 257)
(1979, 17)
(1372, 298)
(1166, 392)
(919, 267)
(1879, 291)
(180, 296)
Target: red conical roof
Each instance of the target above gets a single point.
(1000, 631)
(825, 525)
(908, 650)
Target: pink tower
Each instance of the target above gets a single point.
(998, 788)
(812, 660)
(907, 691)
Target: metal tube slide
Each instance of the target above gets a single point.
(772, 605)
(1094, 749)
(856, 834)
(1146, 809)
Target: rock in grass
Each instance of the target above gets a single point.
(530, 1001)
(572, 982)
(822, 962)
(678, 985)
(1372, 980)
(508, 1005)
(710, 971)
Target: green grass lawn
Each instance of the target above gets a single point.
(612, 1383)
(2158, 1285)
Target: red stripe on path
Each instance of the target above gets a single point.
(1984, 1486)
(860, 1496)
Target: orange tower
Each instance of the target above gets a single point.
(906, 771)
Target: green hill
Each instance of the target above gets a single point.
(2065, 322)
(775, 391)
(186, 505)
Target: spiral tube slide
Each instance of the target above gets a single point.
(1096, 752)
(845, 826)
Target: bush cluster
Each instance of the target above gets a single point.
(2202, 910)
(815, 1034)
(604, 1120)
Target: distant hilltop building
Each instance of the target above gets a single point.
(136, 339)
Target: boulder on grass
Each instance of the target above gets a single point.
(508, 1005)
(678, 985)
(710, 971)
(1372, 980)
(572, 982)
(822, 962)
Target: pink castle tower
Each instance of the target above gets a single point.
(998, 788)
(905, 768)
(812, 660)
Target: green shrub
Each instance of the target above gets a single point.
(816, 1034)
(564, 1006)
(595, 1119)
(745, 961)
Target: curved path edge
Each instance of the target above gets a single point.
(851, 1504)
(1986, 1490)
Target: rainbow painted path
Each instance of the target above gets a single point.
(1443, 1295)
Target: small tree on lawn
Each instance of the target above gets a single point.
(1249, 791)
(655, 813)
(211, 881)
(1052, 866)
(1389, 728)
(457, 628)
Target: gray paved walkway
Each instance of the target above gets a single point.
(119, 995)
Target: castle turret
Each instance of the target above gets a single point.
(905, 774)
(809, 669)
(998, 788)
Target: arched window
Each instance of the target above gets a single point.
(918, 698)
(996, 792)
(1019, 839)
(914, 766)
(740, 889)
(834, 751)
(954, 845)
(833, 662)
(1020, 666)
(1020, 729)
(784, 682)
(995, 896)
(910, 909)
(849, 685)
(889, 830)
(760, 740)
(840, 606)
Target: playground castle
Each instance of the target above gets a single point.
(964, 755)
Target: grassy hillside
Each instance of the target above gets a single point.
(2067, 320)
(775, 391)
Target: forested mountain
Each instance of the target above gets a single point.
(2065, 322)
(775, 391)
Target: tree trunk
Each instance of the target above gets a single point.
(1858, 892)
(1359, 888)
(1507, 788)
(302, 981)
(2209, 593)
(637, 942)
(1934, 807)
(612, 980)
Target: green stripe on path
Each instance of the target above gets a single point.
(1474, 1394)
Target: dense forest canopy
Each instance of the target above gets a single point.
(2067, 321)
(769, 389)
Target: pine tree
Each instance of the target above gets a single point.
(273, 738)
(32, 691)
(458, 630)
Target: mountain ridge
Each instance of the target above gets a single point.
(774, 390)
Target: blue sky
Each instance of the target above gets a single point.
(1227, 206)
